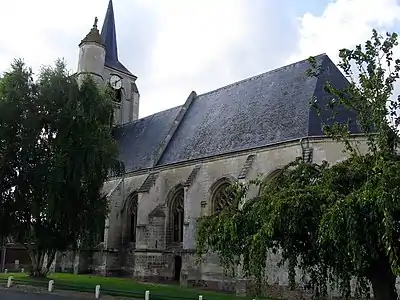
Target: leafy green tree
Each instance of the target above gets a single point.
(56, 150)
(336, 222)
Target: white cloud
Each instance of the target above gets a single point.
(191, 36)
(195, 41)
(344, 24)
(29, 29)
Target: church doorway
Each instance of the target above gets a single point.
(178, 268)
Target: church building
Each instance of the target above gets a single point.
(180, 161)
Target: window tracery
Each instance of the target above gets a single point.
(176, 216)
(132, 217)
(222, 196)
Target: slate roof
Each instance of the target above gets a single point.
(108, 33)
(139, 140)
(266, 109)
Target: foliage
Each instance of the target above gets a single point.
(335, 222)
(56, 150)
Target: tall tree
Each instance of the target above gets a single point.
(56, 150)
(335, 222)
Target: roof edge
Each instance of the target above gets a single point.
(200, 160)
(261, 74)
(327, 66)
(127, 73)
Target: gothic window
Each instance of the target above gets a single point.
(274, 175)
(222, 196)
(132, 218)
(177, 215)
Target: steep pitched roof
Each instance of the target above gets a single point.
(139, 140)
(266, 109)
(109, 36)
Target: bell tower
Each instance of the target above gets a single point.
(121, 80)
(92, 53)
(98, 57)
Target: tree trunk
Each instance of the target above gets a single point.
(51, 254)
(384, 289)
(3, 254)
(37, 259)
(383, 281)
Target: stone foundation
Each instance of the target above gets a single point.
(213, 285)
(158, 266)
(153, 265)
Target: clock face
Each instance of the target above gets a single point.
(115, 82)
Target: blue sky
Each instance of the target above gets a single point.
(176, 46)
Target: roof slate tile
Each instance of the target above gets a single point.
(266, 109)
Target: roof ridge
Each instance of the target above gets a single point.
(224, 87)
(259, 75)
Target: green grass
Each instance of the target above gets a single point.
(119, 287)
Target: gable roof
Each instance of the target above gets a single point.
(269, 108)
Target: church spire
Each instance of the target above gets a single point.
(109, 36)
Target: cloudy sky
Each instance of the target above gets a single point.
(176, 46)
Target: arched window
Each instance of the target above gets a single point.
(271, 176)
(222, 196)
(132, 217)
(176, 214)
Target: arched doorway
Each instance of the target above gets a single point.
(178, 268)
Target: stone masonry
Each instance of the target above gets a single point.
(153, 259)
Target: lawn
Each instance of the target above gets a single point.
(119, 287)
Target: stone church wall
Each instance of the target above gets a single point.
(153, 258)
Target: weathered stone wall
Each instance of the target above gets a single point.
(156, 232)
(128, 110)
(65, 262)
(153, 258)
(152, 266)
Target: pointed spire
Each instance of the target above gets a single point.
(93, 35)
(109, 36)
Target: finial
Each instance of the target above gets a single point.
(93, 35)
